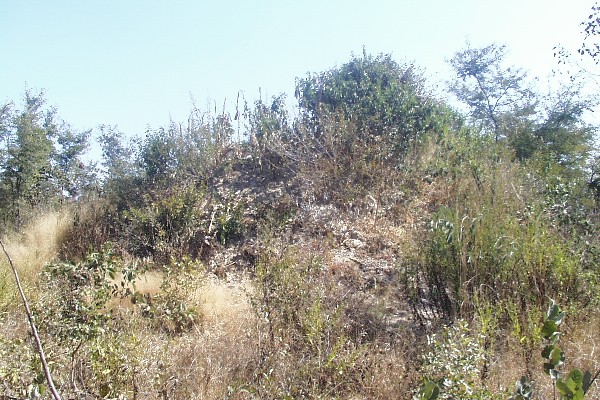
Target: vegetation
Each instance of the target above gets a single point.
(379, 244)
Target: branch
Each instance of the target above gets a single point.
(592, 381)
(33, 328)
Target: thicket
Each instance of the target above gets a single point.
(498, 209)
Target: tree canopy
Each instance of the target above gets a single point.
(380, 96)
(41, 158)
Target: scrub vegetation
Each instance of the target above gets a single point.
(377, 243)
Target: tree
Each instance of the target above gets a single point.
(40, 158)
(117, 157)
(501, 103)
(590, 48)
(71, 172)
(120, 171)
(157, 156)
(381, 97)
(562, 132)
(268, 122)
(27, 168)
(495, 95)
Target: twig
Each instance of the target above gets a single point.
(592, 381)
(33, 328)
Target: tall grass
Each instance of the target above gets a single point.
(30, 249)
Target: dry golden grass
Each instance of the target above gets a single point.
(221, 353)
(30, 250)
(209, 361)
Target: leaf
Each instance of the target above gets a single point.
(547, 350)
(564, 389)
(558, 318)
(429, 391)
(549, 328)
(553, 310)
(557, 356)
(587, 381)
(104, 390)
(576, 376)
(524, 389)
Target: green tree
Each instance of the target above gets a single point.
(562, 132)
(494, 94)
(120, 171)
(72, 174)
(267, 122)
(378, 95)
(26, 173)
(40, 158)
(157, 156)
(117, 157)
(501, 103)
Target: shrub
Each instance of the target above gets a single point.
(305, 349)
(453, 361)
(170, 310)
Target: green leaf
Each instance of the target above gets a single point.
(547, 350)
(429, 391)
(557, 356)
(576, 376)
(524, 389)
(553, 310)
(564, 389)
(104, 390)
(549, 329)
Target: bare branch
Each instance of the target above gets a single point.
(34, 331)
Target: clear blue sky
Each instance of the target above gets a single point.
(136, 63)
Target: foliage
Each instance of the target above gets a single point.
(167, 223)
(40, 160)
(228, 220)
(576, 384)
(77, 322)
(589, 48)
(373, 173)
(494, 237)
(306, 350)
(490, 90)
(453, 362)
(501, 103)
(267, 123)
(382, 98)
(169, 310)
(85, 289)
(453, 385)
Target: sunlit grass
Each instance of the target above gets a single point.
(30, 249)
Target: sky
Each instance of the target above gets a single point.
(137, 64)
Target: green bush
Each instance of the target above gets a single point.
(169, 224)
(170, 310)
(453, 361)
(493, 237)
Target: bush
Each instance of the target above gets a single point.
(306, 350)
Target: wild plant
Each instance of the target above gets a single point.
(572, 386)
(576, 384)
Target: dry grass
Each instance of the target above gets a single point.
(221, 354)
(30, 250)
(209, 361)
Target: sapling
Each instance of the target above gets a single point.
(574, 386)
(576, 383)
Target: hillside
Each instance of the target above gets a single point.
(376, 240)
